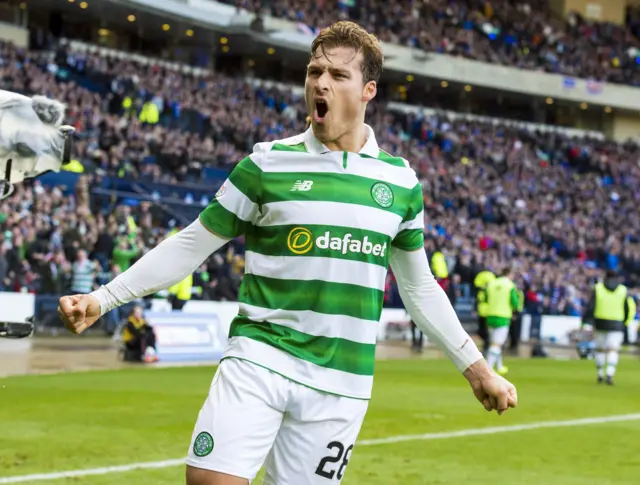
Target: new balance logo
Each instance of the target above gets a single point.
(302, 186)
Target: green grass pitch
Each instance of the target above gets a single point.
(86, 420)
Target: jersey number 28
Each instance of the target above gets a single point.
(334, 459)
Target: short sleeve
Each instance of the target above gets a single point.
(410, 234)
(236, 205)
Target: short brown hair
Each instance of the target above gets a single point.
(350, 34)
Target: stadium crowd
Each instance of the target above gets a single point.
(508, 32)
(52, 243)
(557, 209)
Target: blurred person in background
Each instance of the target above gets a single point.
(201, 281)
(180, 293)
(534, 306)
(480, 282)
(516, 324)
(125, 252)
(84, 273)
(439, 265)
(139, 338)
(501, 296)
(56, 274)
(608, 312)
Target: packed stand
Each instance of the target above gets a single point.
(557, 209)
(53, 243)
(507, 32)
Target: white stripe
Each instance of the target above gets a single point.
(331, 214)
(379, 170)
(309, 268)
(261, 148)
(333, 162)
(285, 162)
(381, 441)
(416, 223)
(317, 324)
(235, 201)
(306, 373)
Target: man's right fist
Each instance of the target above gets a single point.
(79, 312)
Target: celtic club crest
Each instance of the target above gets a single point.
(203, 445)
(382, 194)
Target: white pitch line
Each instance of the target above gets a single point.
(380, 441)
(500, 429)
(92, 471)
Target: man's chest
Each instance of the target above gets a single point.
(337, 188)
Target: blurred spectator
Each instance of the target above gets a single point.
(83, 273)
(139, 338)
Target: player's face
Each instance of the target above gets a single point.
(335, 92)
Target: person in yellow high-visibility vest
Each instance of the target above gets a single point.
(502, 299)
(149, 113)
(180, 293)
(439, 265)
(482, 279)
(607, 311)
(127, 106)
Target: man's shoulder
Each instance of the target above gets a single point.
(293, 143)
(262, 154)
(400, 166)
(393, 160)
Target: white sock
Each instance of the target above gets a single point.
(612, 362)
(493, 357)
(499, 362)
(600, 363)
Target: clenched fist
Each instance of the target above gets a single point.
(79, 312)
(493, 391)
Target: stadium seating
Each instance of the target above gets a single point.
(559, 208)
(507, 32)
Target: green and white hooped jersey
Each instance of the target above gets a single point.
(319, 225)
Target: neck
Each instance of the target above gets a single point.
(351, 141)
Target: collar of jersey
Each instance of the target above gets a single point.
(314, 145)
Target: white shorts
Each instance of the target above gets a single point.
(253, 416)
(498, 335)
(608, 340)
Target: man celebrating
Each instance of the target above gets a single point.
(324, 213)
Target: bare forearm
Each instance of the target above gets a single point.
(165, 265)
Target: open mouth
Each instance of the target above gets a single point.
(321, 110)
